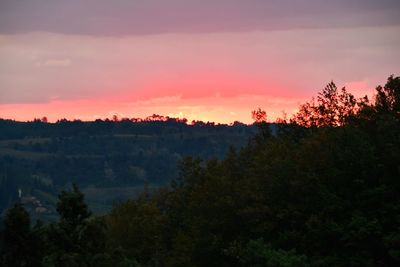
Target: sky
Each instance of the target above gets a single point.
(210, 60)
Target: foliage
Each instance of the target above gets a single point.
(258, 254)
(44, 158)
(72, 209)
(18, 239)
(333, 108)
(259, 115)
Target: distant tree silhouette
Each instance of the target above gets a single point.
(260, 120)
(332, 108)
(388, 97)
(156, 117)
(259, 115)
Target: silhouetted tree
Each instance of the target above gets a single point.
(67, 243)
(20, 244)
(388, 97)
(260, 119)
(259, 115)
(72, 209)
(332, 108)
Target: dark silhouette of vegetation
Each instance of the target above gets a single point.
(117, 157)
(259, 115)
(21, 245)
(333, 108)
(321, 191)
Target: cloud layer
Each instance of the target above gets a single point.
(124, 17)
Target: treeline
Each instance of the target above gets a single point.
(322, 191)
(42, 158)
(65, 128)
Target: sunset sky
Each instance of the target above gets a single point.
(211, 60)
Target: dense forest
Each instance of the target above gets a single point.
(110, 160)
(321, 190)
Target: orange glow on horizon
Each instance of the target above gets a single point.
(221, 101)
(214, 109)
(215, 97)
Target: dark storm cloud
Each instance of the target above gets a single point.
(127, 17)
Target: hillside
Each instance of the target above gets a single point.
(110, 160)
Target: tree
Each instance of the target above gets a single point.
(72, 208)
(67, 243)
(333, 108)
(259, 115)
(20, 246)
(258, 254)
(388, 97)
(260, 119)
(137, 227)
